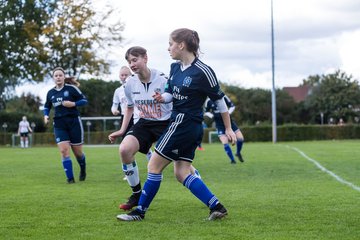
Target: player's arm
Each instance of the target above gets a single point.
(115, 103)
(124, 125)
(229, 104)
(29, 128)
(47, 107)
(208, 109)
(78, 103)
(80, 99)
(226, 119)
(166, 96)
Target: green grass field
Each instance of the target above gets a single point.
(276, 194)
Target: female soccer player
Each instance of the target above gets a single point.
(23, 131)
(151, 118)
(190, 83)
(65, 97)
(212, 110)
(119, 99)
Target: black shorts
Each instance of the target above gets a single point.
(147, 132)
(24, 134)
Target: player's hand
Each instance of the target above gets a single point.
(68, 104)
(231, 136)
(46, 120)
(157, 96)
(112, 137)
(116, 112)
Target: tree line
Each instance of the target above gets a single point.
(335, 95)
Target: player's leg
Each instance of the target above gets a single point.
(151, 187)
(239, 145)
(199, 189)
(127, 150)
(22, 140)
(76, 135)
(81, 159)
(227, 148)
(63, 141)
(64, 148)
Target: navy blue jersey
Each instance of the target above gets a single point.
(212, 107)
(55, 97)
(191, 87)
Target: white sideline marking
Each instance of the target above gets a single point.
(339, 179)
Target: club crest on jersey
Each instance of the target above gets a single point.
(157, 90)
(187, 81)
(66, 93)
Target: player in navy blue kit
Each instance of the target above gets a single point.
(65, 97)
(213, 111)
(190, 83)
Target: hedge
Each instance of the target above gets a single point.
(251, 134)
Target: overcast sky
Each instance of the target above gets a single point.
(311, 37)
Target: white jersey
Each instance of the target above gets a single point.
(24, 126)
(119, 98)
(139, 95)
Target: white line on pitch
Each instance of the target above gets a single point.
(325, 170)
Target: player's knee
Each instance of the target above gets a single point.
(180, 176)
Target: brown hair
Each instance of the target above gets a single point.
(189, 37)
(58, 69)
(72, 81)
(68, 80)
(135, 51)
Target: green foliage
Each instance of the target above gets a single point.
(253, 106)
(21, 50)
(275, 194)
(38, 35)
(100, 95)
(336, 96)
(25, 105)
(75, 34)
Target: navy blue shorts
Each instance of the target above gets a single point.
(147, 132)
(221, 128)
(180, 139)
(69, 129)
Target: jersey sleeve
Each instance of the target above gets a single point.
(128, 96)
(228, 102)
(47, 105)
(211, 85)
(78, 95)
(116, 97)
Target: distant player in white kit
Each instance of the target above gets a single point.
(23, 131)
